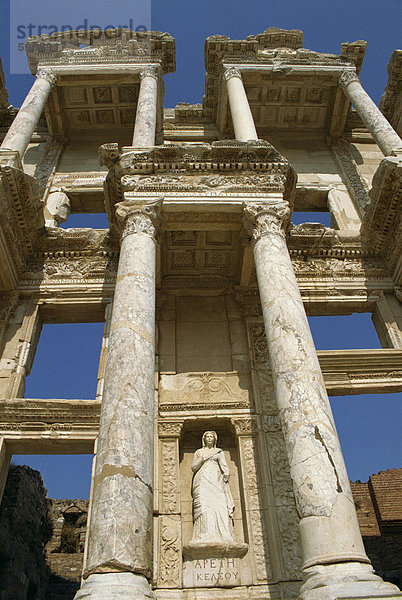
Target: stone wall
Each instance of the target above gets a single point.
(25, 529)
(379, 510)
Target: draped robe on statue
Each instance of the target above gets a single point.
(213, 504)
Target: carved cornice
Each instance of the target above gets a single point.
(382, 224)
(114, 46)
(75, 243)
(136, 217)
(222, 168)
(21, 220)
(261, 218)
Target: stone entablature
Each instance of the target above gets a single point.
(288, 86)
(120, 46)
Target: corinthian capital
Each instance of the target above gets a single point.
(230, 72)
(48, 74)
(347, 77)
(149, 71)
(139, 217)
(261, 218)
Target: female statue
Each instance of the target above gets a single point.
(213, 505)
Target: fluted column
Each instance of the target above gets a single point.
(243, 122)
(384, 134)
(21, 130)
(329, 529)
(145, 118)
(119, 561)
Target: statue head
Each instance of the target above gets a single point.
(209, 439)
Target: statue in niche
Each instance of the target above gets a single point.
(213, 506)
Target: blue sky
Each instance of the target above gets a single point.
(368, 425)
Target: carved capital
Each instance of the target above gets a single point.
(246, 426)
(261, 218)
(138, 217)
(347, 77)
(169, 429)
(230, 72)
(149, 71)
(48, 74)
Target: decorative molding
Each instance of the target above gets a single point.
(356, 185)
(47, 164)
(114, 46)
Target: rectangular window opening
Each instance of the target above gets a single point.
(66, 361)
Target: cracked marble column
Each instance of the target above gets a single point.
(145, 118)
(21, 130)
(119, 558)
(335, 563)
(243, 122)
(384, 134)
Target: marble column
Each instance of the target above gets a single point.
(384, 134)
(145, 118)
(21, 130)
(243, 122)
(119, 560)
(333, 552)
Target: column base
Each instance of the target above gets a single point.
(345, 581)
(115, 586)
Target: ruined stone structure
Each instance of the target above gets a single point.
(203, 284)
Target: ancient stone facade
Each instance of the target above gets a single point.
(203, 284)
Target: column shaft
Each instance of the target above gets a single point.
(243, 122)
(120, 529)
(329, 528)
(383, 133)
(145, 118)
(21, 130)
(335, 564)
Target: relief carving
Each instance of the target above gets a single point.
(356, 185)
(258, 533)
(169, 560)
(198, 391)
(170, 477)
